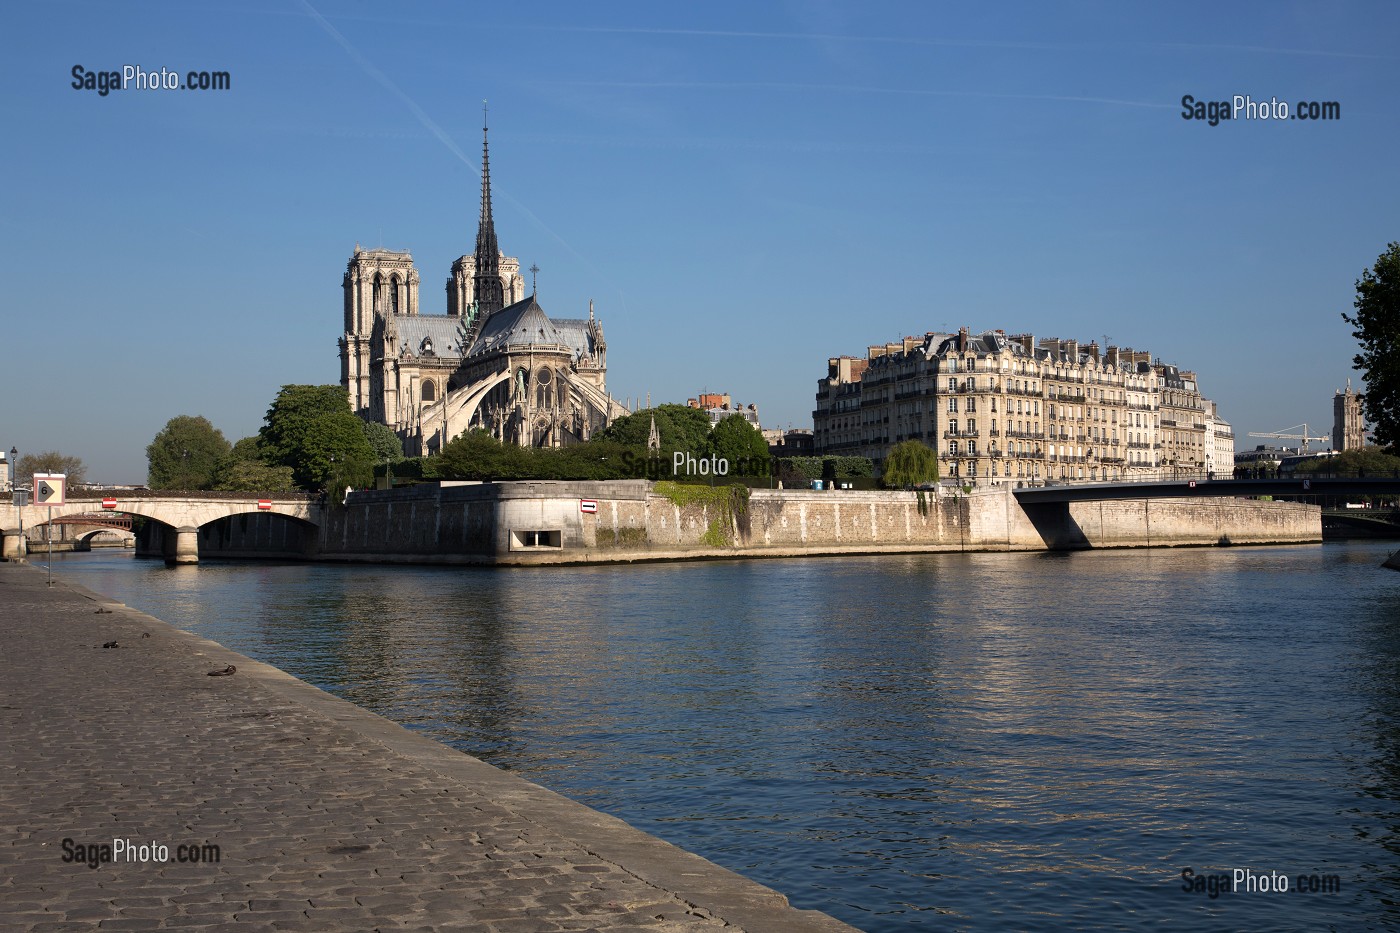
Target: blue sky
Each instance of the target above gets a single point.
(744, 189)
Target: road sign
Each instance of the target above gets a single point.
(588, 505)
(264, 504)
(49, 488)
(109, 503)
(1191, 484)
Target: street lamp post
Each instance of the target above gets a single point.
(18, 496)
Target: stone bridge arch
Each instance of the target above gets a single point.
(184, 515)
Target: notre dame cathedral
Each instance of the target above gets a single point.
(494, 361)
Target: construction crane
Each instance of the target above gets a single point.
(1305, 437)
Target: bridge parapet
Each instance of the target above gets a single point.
(185, 513)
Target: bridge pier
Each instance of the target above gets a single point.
(15, 546)
(183, 547)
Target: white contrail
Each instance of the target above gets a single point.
(369, 68)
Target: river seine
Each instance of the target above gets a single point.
(976, 742)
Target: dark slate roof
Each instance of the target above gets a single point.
(441, 329)
(524, 324)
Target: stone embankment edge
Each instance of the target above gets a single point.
(587, 556)
(702, 884)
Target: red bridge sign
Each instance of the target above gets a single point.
(264, 504)
(109, 503)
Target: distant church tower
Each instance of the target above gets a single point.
(1348, 424)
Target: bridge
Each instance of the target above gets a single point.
(1295, 487)
(181, 513)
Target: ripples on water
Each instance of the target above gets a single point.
(990, 741)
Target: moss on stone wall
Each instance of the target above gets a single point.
(622, 538)
(728, 508)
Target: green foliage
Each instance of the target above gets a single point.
(910, 463)
(244, 469)
(1370, 460)
(622, 538)
(382, 441)
(412, 469)
(478, 455)
(739, 442)
(185, 454)
(312, 430)
(1377, 329)
(233, 475)
(681, 428)
(729, 507)
(50, 461)
(806, 469)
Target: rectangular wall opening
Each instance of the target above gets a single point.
(535, 540)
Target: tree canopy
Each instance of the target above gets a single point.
(185, 454)
(245, 469)
(50, 461)
(1376, 326)
(312, 430)
(1372, 460)
(740, 443)
(382, 441)
(910, 463)
(681, 428)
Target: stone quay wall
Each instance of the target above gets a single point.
(620, 521)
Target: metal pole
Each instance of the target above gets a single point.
(48, 535)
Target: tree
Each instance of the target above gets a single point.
(383, 441)
(1368, 461)
(681, 428)
(312, 430)
(478, 455)
(244, 469)
(740, 443)
(910, 463)
(185, 454)
(50, 461)
(1377, 328)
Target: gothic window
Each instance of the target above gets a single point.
(429, 391)
(377, 292)
(394, 294)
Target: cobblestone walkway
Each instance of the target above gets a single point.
(326, 817)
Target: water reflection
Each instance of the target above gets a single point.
(968, 741)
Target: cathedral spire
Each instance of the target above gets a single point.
(490, 291)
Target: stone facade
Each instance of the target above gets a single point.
(1348, 423)
(545, 522)
(494, 361)
(1004, 408)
